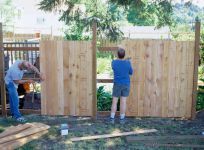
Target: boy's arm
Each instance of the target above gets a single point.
(130, 70)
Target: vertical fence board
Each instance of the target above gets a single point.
(148, 80)
(177, 105)
(165, 83)
(66, 72)
(159, 60)
(190, 69)
(60, 81)
(43, 67)
(2, 75)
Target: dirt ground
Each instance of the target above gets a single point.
(84, 126)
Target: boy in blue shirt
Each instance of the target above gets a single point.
(122, 69)
(14, 77)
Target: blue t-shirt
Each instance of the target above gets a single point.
(122, 70)
(14, 73)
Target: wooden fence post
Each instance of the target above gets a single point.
(3, 91)
(94, 38)
(196, 64)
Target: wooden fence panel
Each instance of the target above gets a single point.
(161, 85)
(162, 82)
(67, 89)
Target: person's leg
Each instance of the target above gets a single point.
(116, 94)
(14, 100)
(11, 104)
(122, 107)
(114, 106)
(124, 94)
(10, 101)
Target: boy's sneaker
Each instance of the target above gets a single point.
(122, 121)
(21, 119)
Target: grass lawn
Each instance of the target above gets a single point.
(84, 126)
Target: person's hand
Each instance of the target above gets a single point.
(128, 58)
(42, 77)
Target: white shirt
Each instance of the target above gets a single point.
(14, 73)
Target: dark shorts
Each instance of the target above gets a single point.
(121, 90)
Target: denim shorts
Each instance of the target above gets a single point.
(121, 90)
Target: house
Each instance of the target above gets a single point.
(146, 32)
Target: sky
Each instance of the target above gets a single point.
(32, 17)
(196, 2)
(199, 2)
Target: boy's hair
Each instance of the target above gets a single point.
(121, 53)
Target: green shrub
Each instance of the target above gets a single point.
(104, 99)
(201, 72)
(108, 55)
(104, 65)
(200, 100)
(200, 95)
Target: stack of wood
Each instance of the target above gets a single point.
(16, 136)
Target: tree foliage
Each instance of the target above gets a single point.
(148, 12)
(78, 15)
(184, 13)
(7, 12)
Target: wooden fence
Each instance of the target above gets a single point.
(21, 50)
(67, 89)
(162, 84)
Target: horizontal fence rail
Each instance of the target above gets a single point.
(20, 50)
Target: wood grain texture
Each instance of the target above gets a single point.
(36, 128)
(112, 135)
(2, 75)
(20, 142)
(67, 89)
(13, 130)
(16, 136)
